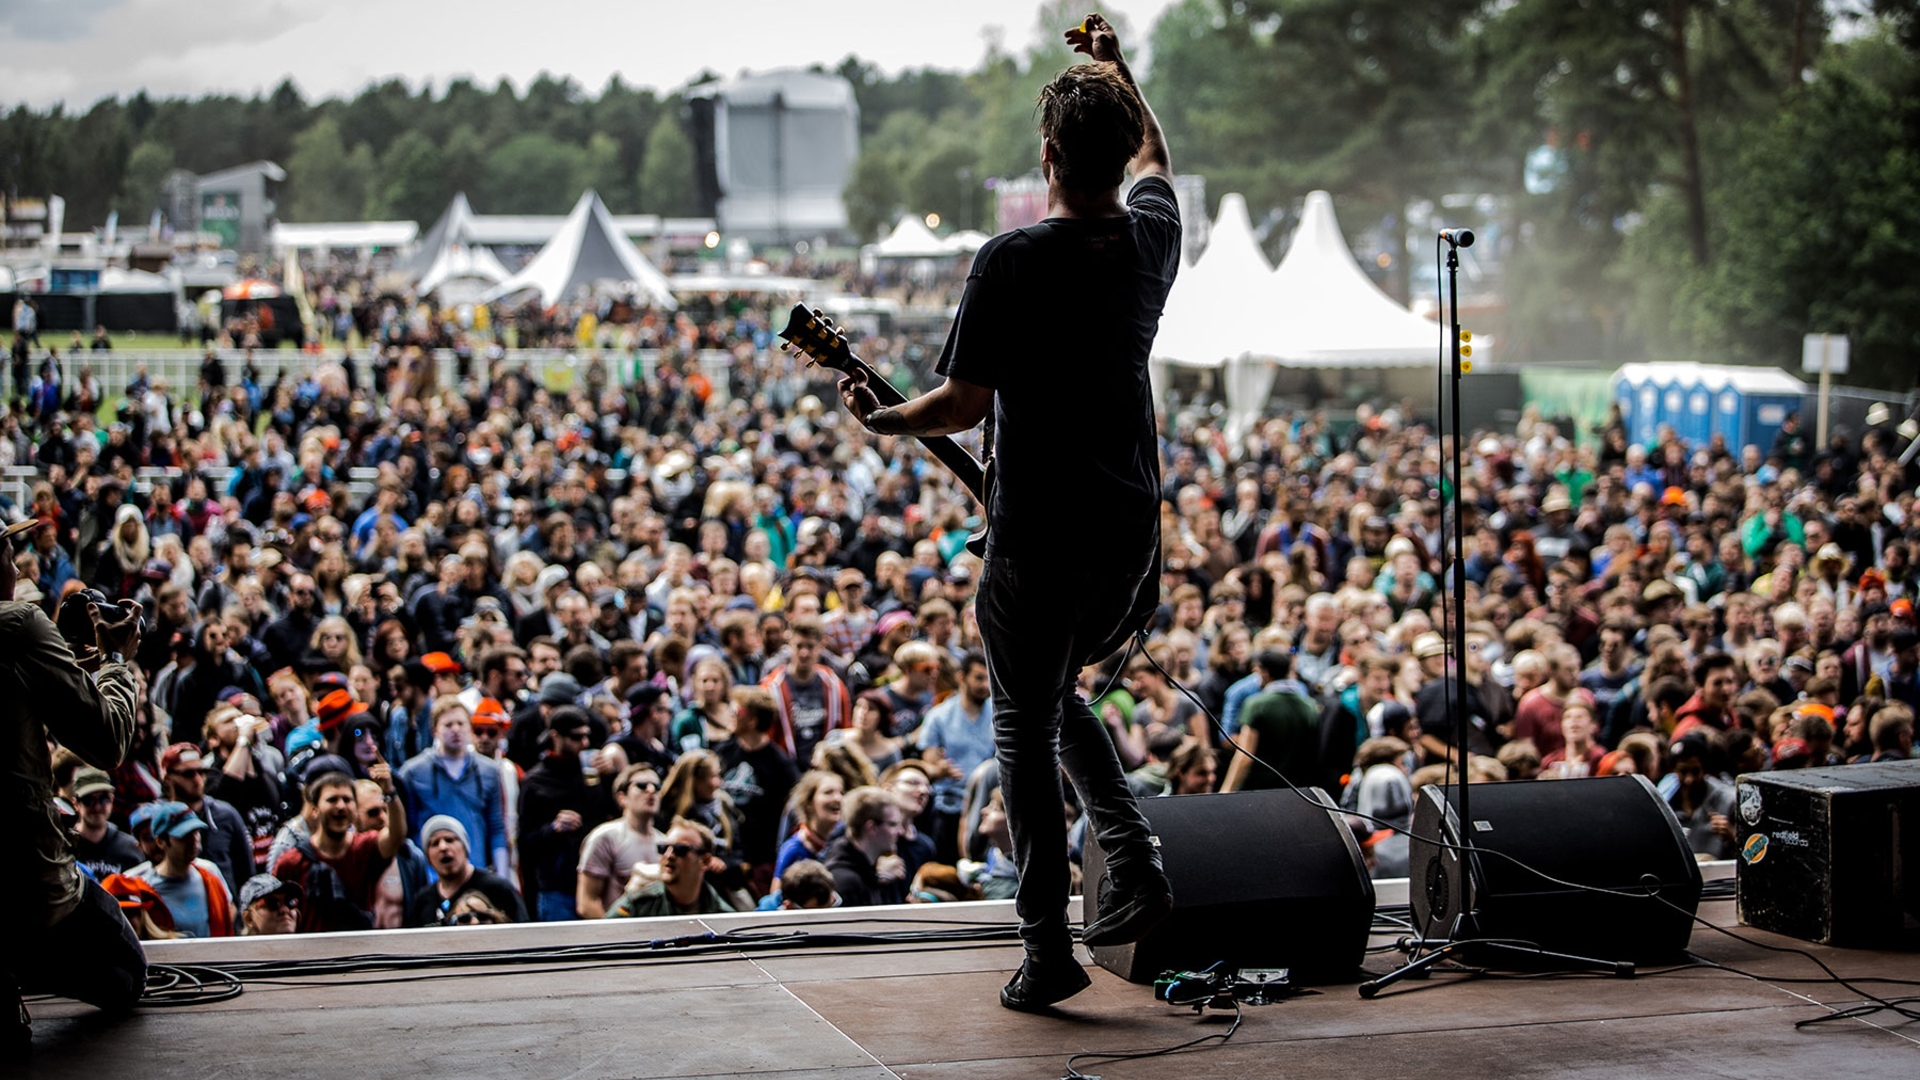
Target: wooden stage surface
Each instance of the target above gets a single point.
(884, 1012)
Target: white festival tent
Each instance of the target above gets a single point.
(911, 239)
(589, 250)
(967, 241)
(454, 226)
(1328, 313)
(462, 273)
(1317, 309)
(1214, 310)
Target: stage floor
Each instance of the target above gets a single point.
(888, 1012)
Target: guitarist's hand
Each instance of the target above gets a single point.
(1097, 39)
(858, 397)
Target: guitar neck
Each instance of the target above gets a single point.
(961, 464)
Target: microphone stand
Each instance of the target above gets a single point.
(1464, 935)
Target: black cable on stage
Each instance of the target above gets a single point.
(1872, 1003)
(1075, 1074)
(175, 985)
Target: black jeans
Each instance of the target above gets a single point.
(92, 955)
(1041, 623)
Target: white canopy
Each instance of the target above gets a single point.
(344, 235)
(462, 272)
(115, 280)
(1216, 303)
(967, 240)
(454, 226)
(911, 239)
(588, 251)
(1324, 311)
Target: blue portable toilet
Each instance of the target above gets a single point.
(1742, 404)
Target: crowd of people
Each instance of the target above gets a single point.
(643, 648)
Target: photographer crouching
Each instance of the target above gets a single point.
(68, 936)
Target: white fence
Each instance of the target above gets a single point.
(557, 369)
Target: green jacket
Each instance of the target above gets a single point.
(651, 901)
(92, 716)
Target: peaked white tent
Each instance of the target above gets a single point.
(911, 239)
(1326, 312)
(967, 241)
(588, 251)
(454, 226)
(462, 273)
(1214, 311)
(1216, 302)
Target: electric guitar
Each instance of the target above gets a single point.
(825, 344)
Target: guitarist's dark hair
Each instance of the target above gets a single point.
(1096, 123)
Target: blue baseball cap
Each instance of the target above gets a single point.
(173, 820)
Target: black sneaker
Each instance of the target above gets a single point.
(1035, 987)
(1123, 915)
(18, 1040)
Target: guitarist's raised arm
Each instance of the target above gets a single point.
(954, 405)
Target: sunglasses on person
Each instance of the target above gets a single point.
(98, 798)
(470, 918)
(279, 902)
(684, 851)
(578, 736)
(643, 785)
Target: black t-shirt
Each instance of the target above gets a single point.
(116, 853)
(1059, 319)
(758, 782)
(428, 907)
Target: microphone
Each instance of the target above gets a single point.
(1457, 237)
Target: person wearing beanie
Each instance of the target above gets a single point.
(447, 850)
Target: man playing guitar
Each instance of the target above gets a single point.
(1066, 311)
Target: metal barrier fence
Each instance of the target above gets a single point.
(557, 369)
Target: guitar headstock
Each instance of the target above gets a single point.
(814, 334)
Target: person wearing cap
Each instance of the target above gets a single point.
(98, 844)
(446, 673)
(447, 852)
(557, 809)
(194, 891)
(1433, 703)
(530, 723)
(145, 912)
(269, 905)
(228, 844)
(490, 725)
(848, 625)
(1872, 655)
(69, 935)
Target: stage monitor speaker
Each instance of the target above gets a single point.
(1832, 855)
(1612, 833)
(1261, 879)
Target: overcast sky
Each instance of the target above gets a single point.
(79, 51)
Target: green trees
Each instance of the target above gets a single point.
(326, 181)
(1709, 178)
(665, 184)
